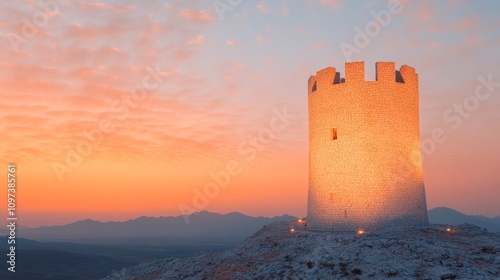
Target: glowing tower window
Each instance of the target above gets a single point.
(334, 134)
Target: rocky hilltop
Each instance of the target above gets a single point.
(277, 252)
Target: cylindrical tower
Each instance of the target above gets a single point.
(365, 168)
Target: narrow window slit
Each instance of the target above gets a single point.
(334, 134)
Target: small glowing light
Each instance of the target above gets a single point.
(360, 232)
(300, 221)
(448, 229)
(292, 230)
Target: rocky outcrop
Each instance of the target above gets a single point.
(275, 252)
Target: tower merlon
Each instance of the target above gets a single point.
(311, 84)
(409, 74)
(354, 72)
(385, 71)
(325, 77)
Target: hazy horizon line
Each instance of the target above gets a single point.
(22, 226)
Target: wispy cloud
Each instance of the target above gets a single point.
(196, 16)
(198, 40)
(333, 4)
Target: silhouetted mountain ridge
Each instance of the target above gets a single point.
(233, 225)
(448, 216)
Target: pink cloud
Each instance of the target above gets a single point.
(317, 45)
(91, 33)
(426, 12)
(334, 4)
(103, 6)
(433, 46)
(196, 16)
(468, 24)
(260, 6)
(181, 55)
(196, 41)
(260, 38)
(283, 8)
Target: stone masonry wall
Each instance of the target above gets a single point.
(370, 176)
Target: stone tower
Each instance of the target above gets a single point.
(365, 168)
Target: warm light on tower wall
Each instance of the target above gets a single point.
(365, 169)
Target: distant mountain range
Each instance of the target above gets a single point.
(448, 216)
(205, 225)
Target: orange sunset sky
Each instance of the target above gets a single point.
(117, 109)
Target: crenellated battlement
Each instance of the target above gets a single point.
(385, 72)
